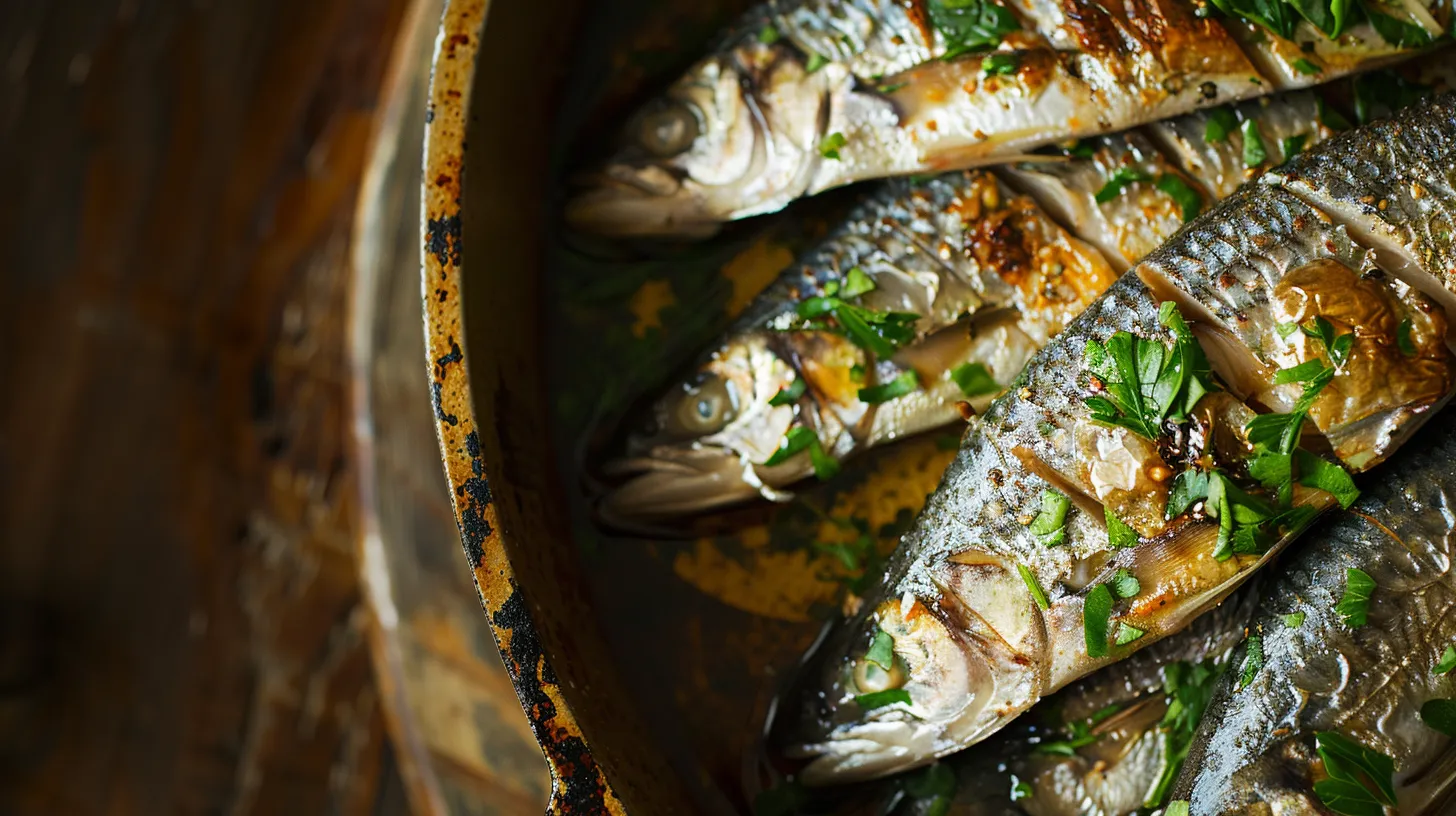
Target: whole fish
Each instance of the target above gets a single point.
(1318, 664)
(806, 95)
(990, 275)
(1156, 453)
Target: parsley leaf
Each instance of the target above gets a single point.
(1096, 610)
(1293, 620)
(1119, 534)
(1019, 789)
(1037, 593)
(877, 332)
(815, 62)
(1253, 660)
(789, 394)
(1177, 807)
(1395, 31)
(1337, 347)
(882, 650)
(1255, 153)
(1355, 603)
(1440, 714)
(880, 699)
(934, 786)
(1189, 688)
(1125, 584)
(1292, 146)
(1322, 474)
(1221, 122)
(1126, 634)
(856, 283)
(769, 34)
(1358, 775)
(1306, 67)
(999, 64)
(798, 440)
(1049, 524)
(1119, 181)
(974, 380)
(829, 146)
(1234, 508)
(1187, 198)
(970, 25)
(904, 384)
(1143, 381)
(1447, 661)
(1188, 487)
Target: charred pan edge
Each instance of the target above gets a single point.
(578, 785)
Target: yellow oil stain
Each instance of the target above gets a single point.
(647, 304)
(785, 584)
(752, 270)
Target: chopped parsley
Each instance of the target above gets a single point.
(891, 88)
(829, 146)
(970, 25)
(1000, 64)
(1080, 734)
(1188, 688)
(860, 557)
(904, 384)
(877, 332)
(1255, 153)
(1253, 660)
(799, 439)
(1096, 610)
(1126, 634)
(1395, 31)
(1221, 122)
(1440, 714)
(1293, 620)
(1188, 487)
(1125, 584)
(1143, 381)
(1037, 593)
(1292, 146)
(1019, 789)
(974, 380)
(1360, 780)
(1081, 149)
(1119, 181)
(1447, 661)
(1354, 605)
(882, 650)
(1240, 515)
(769, 34)
(789, 394)
(1338, 347)
(1183, 194)
(1275, 15)
(856, 283)
(1304, 66)
(1049, 526)
(815, 62)
(880, 699)
(1119, 534)
(1403, 339)
(1177, 807)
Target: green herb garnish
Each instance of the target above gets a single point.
(1403, 339)
(1081, 149)
(815, 62)
(1306, 67)
(1253, 660)
(1221, 122)
(1177, 807)
(884, 392)
(1239, 515)
(1396, 31)
(882, 650)
(1096, 611)
(1187, 198)
(1338, 347)
(856, 282)
(1293, 145)
(889, 89)
(1125, 584)
(1019, 789)
(877, 332)
(1274, 15)
(829, 146)
(769, 34)
(796, 441)
(1447, 661)
(789, 394)
(1119, 534)
(1360, 780)
(1381, 93)
(974, 380)
(970, 25)
(1188, 487)
(934, 786)
(1354, 605)
(1188, 687)
(880, 699)
(1145, 382)
(1049, 525)
(1081, 736)
(1037, 593)
(1440, 714)
(1293, 620)
(1254, 152)
(1119, 181)
(999, 64)
(1126, 634)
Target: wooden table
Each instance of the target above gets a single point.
(182, 628)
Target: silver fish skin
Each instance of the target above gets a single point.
(1255, 751)
(995, 263)
(973, 644)
(807, 95)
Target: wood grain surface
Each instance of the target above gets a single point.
(181, 626)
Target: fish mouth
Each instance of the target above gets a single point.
(672, 484)
(623, 202)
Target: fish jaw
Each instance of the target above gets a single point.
(678, 482)
(962, 685)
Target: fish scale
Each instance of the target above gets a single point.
(972, 651)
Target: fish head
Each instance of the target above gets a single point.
(702, 443)
(954, 690)
(741, 126)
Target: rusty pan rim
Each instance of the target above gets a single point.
(555, 726)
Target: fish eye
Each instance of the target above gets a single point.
(706, 407)
(668, 130)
